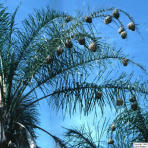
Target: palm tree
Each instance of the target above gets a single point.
(133, 122)
(83, 137)
(56, 54)
(129, 126)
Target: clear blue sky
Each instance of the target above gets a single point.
(134, 46)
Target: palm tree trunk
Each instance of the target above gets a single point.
(2, 129)
(2, 136)
(1, 91)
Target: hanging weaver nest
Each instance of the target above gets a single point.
(110, 141)
(125, 62)
(121, 29)
(119, 102)
(59, 50)
(132, 99)
(98, 94)
(81, 40)
(134, 106)
(93, 46)
(48, 59)
(88, 19)
(68, 43)
(108, 19)
(123, 34)
(131, 26)
(116, 14)
(68, 19)
(113, 127)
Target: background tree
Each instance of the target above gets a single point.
(130, 125)
(57, 54)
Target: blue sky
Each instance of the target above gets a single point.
(135, 45)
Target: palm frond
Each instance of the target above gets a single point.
(29, 137)
(133, 123)
(57, 140)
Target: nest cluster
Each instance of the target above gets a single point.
(93, 44)
(134, 107)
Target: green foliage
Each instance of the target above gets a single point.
(68, 81)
